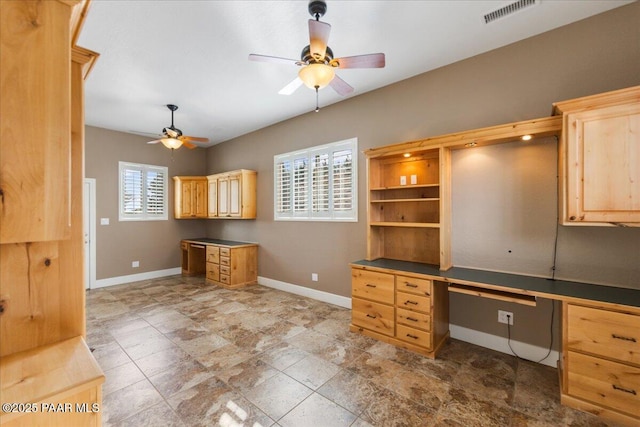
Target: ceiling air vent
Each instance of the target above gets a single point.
(508, 10)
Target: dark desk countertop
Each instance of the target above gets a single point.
(209, 241)
(547, 288)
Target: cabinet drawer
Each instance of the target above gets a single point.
(606, 383)
(213, 271)
(225, 270)
(225, 260)
(225, 251)
(213, 254)
(414, 336)
(224, 278)
(372, 285)
(413, 319)
(413, 302)
(372, 315)
(602, 332)
(413, 285)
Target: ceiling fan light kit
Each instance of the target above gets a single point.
(173, 138)
(317, 61)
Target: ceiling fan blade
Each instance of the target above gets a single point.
(318, 38)
(275, 59)
(154, 142)
(189, 145)
(340, 86)
(373, 60)
(193, 138)
(291, 87)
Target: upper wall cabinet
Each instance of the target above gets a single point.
(232, 194)
(190, 197)
(599, 159)
(35, 155)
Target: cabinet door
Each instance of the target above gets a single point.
(235, 195)
(200, 199)
(186, 204)
(223, 196)
(212, 202)
(603, 165)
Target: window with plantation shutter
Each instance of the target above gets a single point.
(143, 192)
(317, 184)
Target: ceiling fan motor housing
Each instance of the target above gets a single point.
(307, 58)
(317, 8)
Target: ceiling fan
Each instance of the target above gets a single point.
(173, 138)
(317, 59)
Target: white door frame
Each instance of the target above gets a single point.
(89, 201)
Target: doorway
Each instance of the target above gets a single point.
(89, 231)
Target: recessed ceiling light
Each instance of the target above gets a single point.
(526, 137)
(470, 144)
(407, 154)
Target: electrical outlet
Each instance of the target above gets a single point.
(314, 277)
(505, 317)
(135, 264)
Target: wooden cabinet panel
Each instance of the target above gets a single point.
(414, 336)
(213, 254)
(374, 316)
(600, 159)
(413, 285)
(604, 382)
(605, 333)
(372, 285)
(413, 302)
(413, 319)
(191, 197)
(601, 357)
(233, 194)
(35, 131)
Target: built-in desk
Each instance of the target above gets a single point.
(406, 304)
(510, 287)
(226, 263)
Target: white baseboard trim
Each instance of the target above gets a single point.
(112, 281)
(494, 342)
(306, 292)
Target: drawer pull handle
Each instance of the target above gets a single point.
(410, 285)
(373, 317)
(412, 336)
(369, 285)
(619, 337)
(410, 302)
(412, 319)
(626, 390)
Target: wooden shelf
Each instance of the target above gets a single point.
(402, 187)
(425, 199)
(406, 224)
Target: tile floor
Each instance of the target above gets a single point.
(179, 352)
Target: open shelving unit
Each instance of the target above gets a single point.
(404, 196)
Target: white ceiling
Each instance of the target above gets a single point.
(194, 54)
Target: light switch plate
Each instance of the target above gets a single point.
(414, 179)
(403, 180)
(104, 221)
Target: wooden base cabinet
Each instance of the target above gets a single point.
(601, 362)
(232, 267)
(405, 310)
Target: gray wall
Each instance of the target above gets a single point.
(518, 212)
(155, 244)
